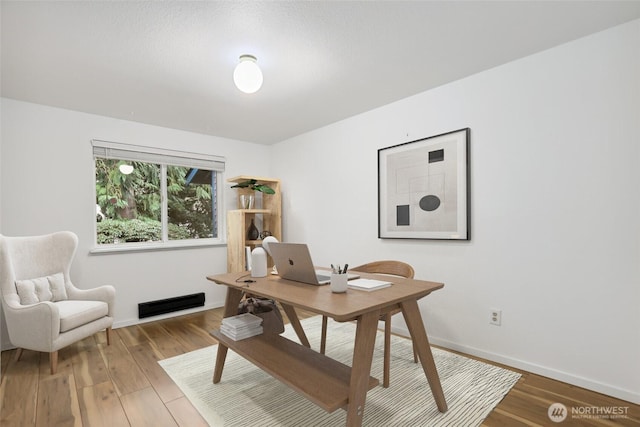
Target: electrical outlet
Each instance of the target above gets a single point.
(495, 317)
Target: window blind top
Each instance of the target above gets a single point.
(116, 150)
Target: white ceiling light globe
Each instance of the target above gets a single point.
(126, 169)
(247, 75)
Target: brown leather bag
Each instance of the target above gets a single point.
(267, 309)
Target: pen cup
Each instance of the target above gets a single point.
(338, 282)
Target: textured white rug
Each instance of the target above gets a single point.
(247, 396)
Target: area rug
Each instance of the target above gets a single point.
(247, 396)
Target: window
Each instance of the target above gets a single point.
(153, 198)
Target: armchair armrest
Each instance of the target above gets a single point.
(106, 293)
(34, 326)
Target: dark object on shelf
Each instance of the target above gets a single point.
(252, 232)
(267, 309)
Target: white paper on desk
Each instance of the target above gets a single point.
(368, 284)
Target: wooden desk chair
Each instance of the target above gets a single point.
(393, 268)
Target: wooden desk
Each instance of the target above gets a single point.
(322, 380)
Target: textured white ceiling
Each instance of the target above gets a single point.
(170, 63)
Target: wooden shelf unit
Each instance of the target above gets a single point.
(239, 220)
(319, 378)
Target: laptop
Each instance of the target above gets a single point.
(293, 262)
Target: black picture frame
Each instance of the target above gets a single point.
(424, 188)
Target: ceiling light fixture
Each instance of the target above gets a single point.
(247, 76)
(126, 169)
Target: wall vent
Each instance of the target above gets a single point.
(162, 306)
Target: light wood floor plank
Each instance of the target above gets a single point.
(58, 402)
(155, 330)
(123, 370)
(185, 414)
(147, 359)
(64, 366)
(145, 409)
(132, 335)
(89, 367)
(191, 336)
(163, 340)
(538, 385)
(500, 418)
(19, 384)
(101, 407)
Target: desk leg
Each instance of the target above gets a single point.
(295, 322)
(230, 309)
(413, 319)
(220, 358)
(361, 366)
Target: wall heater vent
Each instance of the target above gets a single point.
(162, 306)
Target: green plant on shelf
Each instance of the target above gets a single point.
(252, 184)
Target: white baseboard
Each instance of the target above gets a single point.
(609, 390)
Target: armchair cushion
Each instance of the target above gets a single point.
(75, 313)
(30, 291)
(49, 288)
(58, 288)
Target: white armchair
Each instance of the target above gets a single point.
(43, 310)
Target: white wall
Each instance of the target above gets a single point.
(47, 185)
(555, 211)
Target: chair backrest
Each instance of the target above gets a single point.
(395, 268)
(35, 256)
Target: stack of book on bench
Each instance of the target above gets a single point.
(242, 326)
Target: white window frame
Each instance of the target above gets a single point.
(116, 150)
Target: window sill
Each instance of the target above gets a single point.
(155, 246)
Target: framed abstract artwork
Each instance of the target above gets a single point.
(423, 188)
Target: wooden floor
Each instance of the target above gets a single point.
(123, 385)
